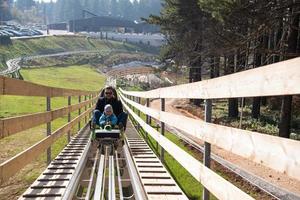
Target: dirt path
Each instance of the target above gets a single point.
(271, 176)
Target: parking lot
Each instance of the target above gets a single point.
(14, 30)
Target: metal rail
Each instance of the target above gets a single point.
(61, 176)
(119, 176)
(99, 183)
(111, 179)
(87, 197)
(138, 189)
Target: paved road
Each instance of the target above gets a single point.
(14, 64)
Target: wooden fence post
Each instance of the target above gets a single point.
(139, 102)
(90, 104)
(69, 118)
(79, 112)
(147, 118)
(48, 108)
(162, 131)
(207, 146)
(85, 109)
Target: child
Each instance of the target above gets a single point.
(108, 117)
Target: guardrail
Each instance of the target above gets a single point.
(12, 125)
(277, 153)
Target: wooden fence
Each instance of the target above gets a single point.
(12, 125)
(277, 153)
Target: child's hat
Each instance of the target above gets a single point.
(108, 107)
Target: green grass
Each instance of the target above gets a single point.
(267, 122)
(56, 44)
(73, 77)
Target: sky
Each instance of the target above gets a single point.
(54, 0)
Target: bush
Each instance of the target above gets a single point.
(5, 40)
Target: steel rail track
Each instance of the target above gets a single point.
(60, 179)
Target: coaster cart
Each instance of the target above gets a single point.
(108, 136)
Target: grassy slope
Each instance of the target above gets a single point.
(59, 44)
(83, 77)
(75, 77)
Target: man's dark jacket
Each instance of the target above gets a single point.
(115, 103)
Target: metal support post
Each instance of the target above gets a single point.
(207, 146)
(48, 108)
(162, 131)
(79, 112)
(69, 118)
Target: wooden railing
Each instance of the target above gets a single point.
(12, 125)
(277, 153)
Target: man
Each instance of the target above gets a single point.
(109, 96)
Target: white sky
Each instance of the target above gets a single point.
(55, 0)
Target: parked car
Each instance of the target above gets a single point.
(6, 33)
(14, 32)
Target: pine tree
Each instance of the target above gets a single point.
(25, 4)
(5, 10)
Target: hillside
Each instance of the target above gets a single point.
(55, 44)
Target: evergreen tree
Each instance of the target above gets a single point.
(5, 10)
(25, 4)
(114, 8)
(244, 33)
(125, 8)
(68, 10)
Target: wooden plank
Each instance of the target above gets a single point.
(156, 181)
(44, 192)
(16, 124)
(12, 86)
(281, 78)
(174, 197)
(157, 197)
(2, 85)
(283, 157)
(9, 126)
(204, 175)
(162, 189)
(1, 129)
(13, 165)
(24, 88)
(154, 177)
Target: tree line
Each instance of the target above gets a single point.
(5, 13)
(64, 10)
(230, 36)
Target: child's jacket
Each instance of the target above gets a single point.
(104, 119)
